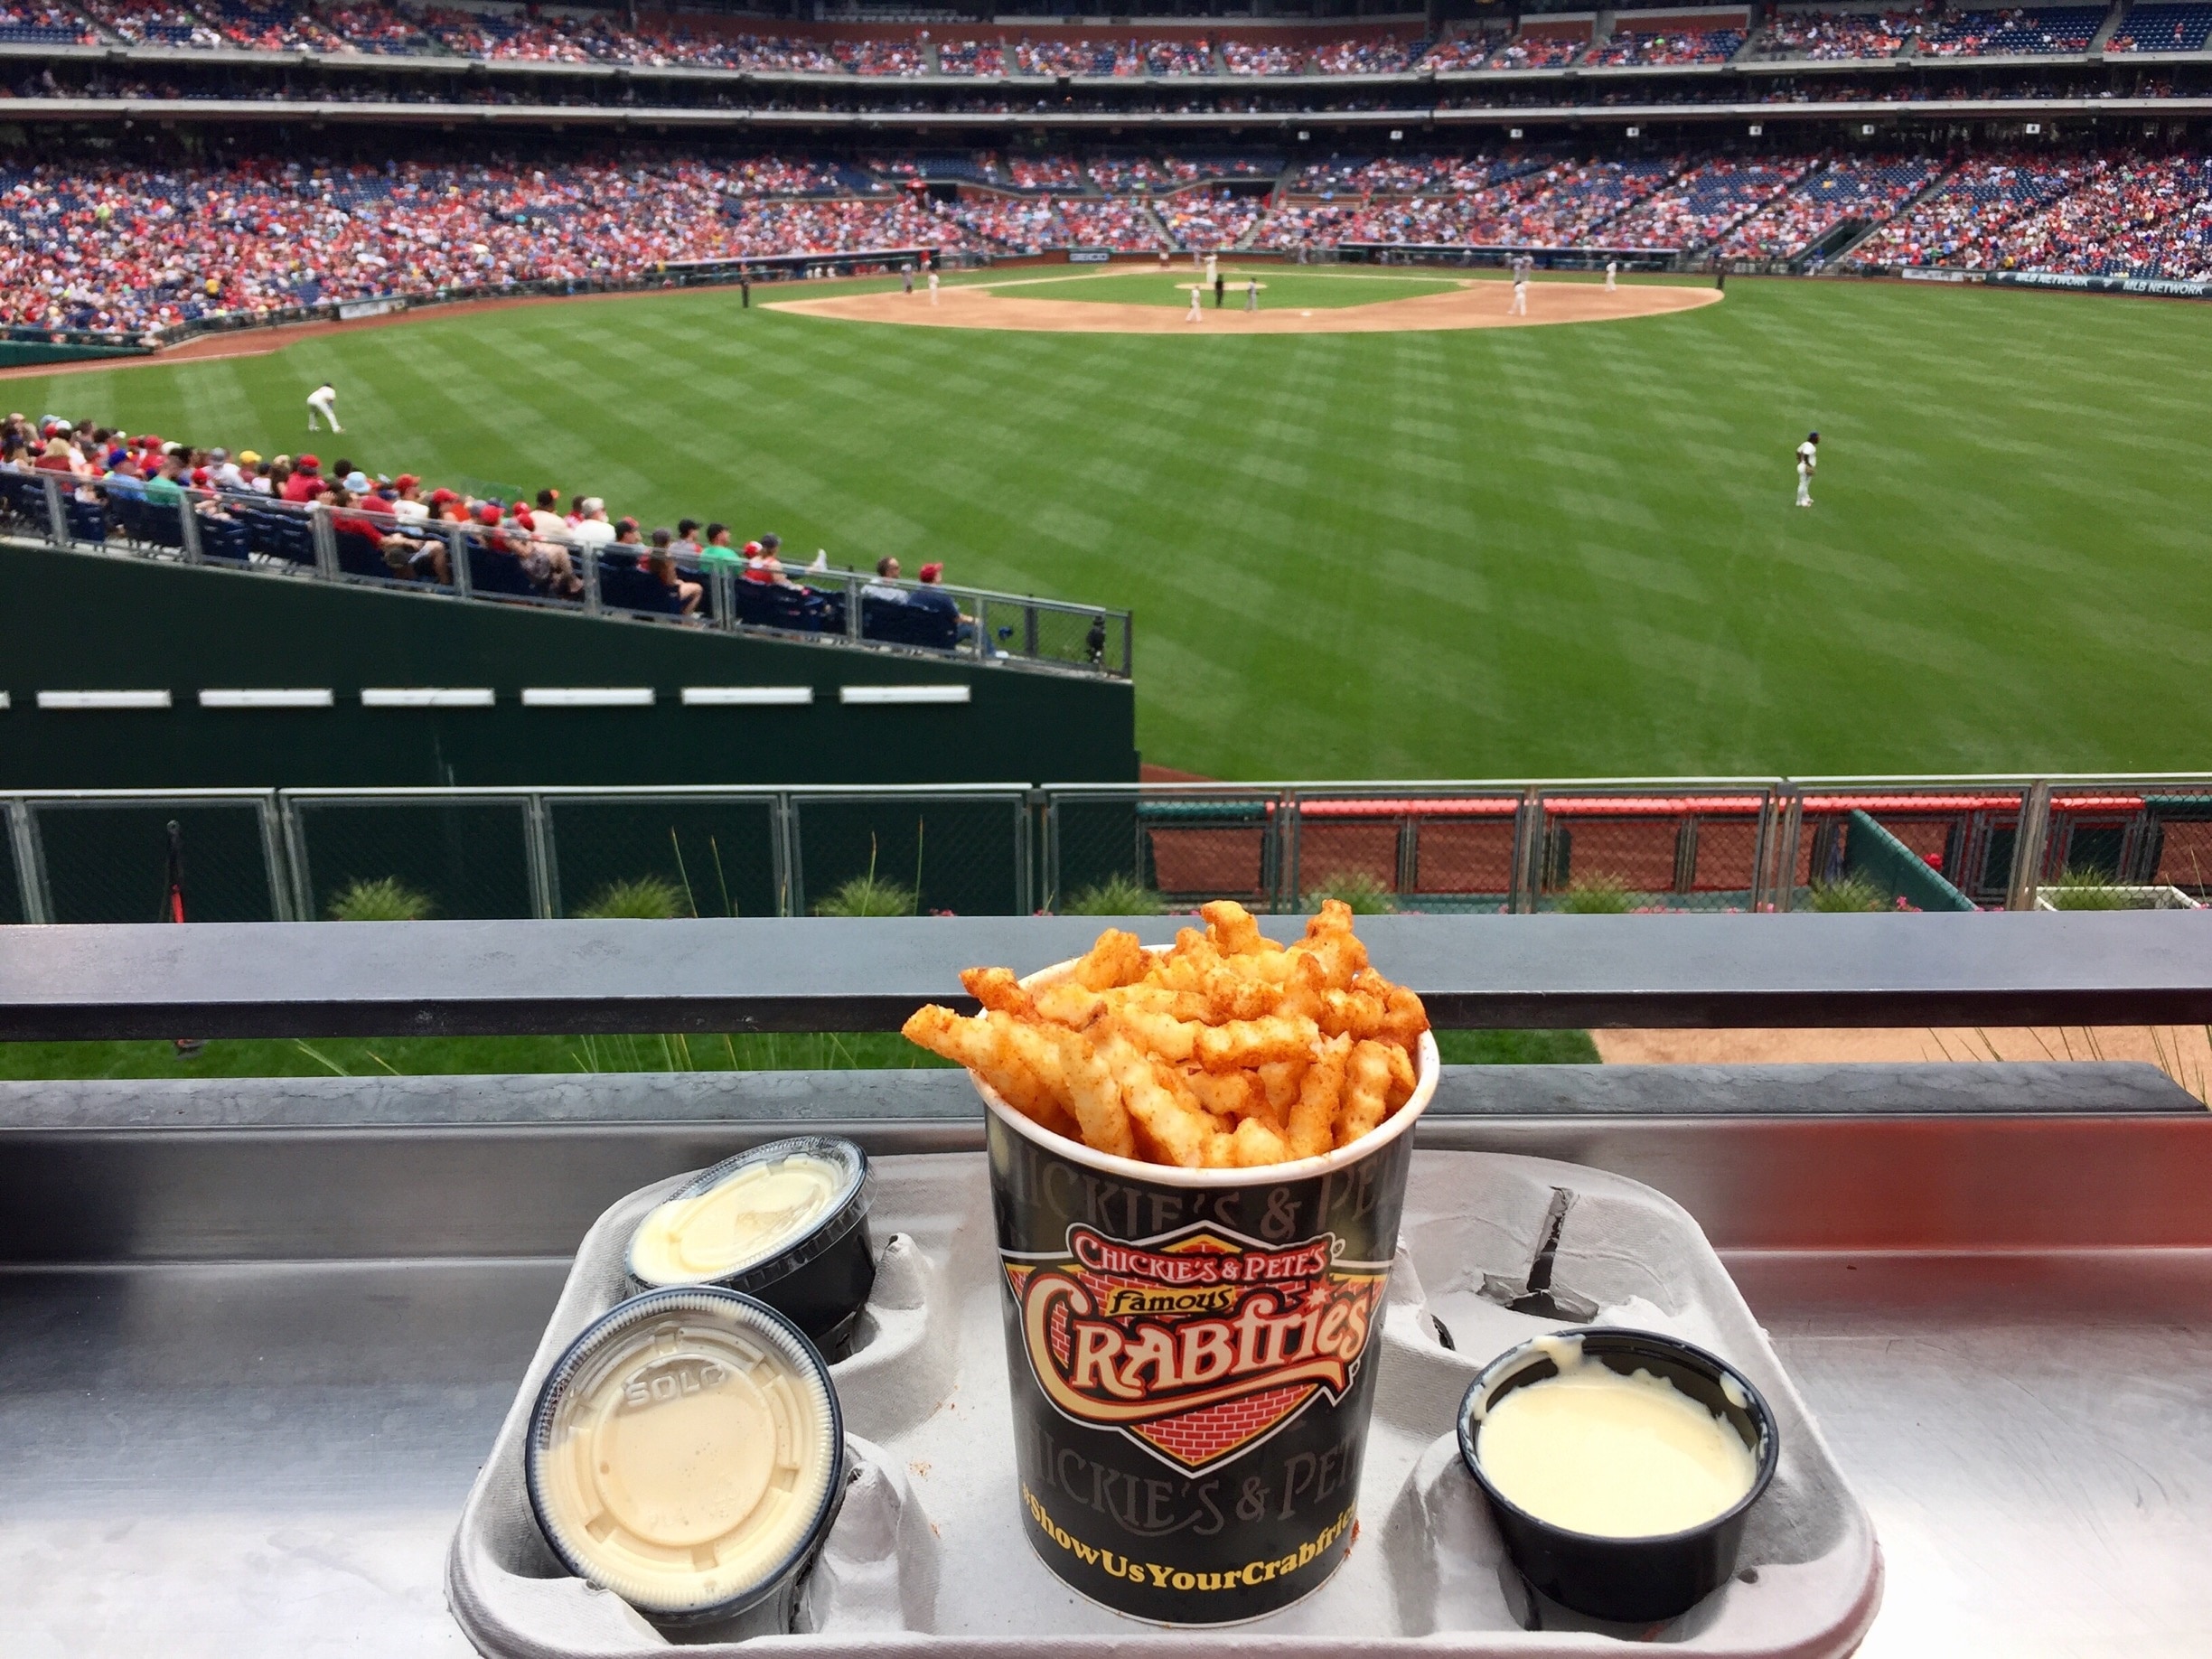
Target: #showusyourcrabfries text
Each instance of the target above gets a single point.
(1224, 1051)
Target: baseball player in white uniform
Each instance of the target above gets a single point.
(1195, 314)
(933, 281)
(323, 401)
(1612, 269)
(1808, 458)
(1520, 266)
(1251, 294)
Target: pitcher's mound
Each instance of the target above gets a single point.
(1471, 305)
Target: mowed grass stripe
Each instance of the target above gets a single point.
(1561, 550)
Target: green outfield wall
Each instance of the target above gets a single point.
(76, 623)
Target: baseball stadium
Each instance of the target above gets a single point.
(1364, 827)
(1110, 419)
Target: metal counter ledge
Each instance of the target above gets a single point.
(818, 974)
(256, 1336)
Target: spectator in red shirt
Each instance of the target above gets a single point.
(306, 480)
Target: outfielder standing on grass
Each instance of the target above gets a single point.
(1808, 457)
(323, 401)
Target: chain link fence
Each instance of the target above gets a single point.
(1620, 850)
(643, 855)
(915, 852)
(106, 856)
(1843, 843)
(389, 856)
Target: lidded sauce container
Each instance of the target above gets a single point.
(688, 1454)
(786, 1221)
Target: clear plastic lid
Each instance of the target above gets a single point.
(751, 1219)
(686, 1453)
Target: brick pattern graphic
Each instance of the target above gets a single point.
(1199, 1438)
(1194, 1439)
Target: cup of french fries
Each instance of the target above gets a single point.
(1198, 1157)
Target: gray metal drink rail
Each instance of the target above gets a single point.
(827, 974)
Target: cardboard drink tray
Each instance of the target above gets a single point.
(928, 1554)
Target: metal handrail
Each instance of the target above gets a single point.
(837, 607)
(1776, 808)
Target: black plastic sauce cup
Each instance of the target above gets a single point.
(1630, 1580)
(818, 1278)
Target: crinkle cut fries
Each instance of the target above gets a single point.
(1224, 1051)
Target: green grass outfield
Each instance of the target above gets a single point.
(1563, 551)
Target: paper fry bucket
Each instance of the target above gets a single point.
(1192, 1356)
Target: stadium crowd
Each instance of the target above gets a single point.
(2164, 28)
(1664, 49)
(1827, 37)
(400, 527)
(2033, 31)
(1963, 222)
(2112, 215)
(527, 36)
(1540, 51)
(31, 24)
(1704, 203)
(109, 247)
(1867, 188)
(112, 249)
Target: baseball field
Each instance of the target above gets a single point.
(1433, 551)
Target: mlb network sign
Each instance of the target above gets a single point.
(2166, 286)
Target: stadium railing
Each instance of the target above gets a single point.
(1753, 845)
(243, 532)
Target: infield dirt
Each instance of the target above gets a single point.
(1473, 305)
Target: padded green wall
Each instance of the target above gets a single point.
(72, 621)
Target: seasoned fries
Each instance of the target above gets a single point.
(1225, 1051)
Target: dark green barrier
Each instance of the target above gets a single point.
(23, 354)
(71, 621)
(1871, 851)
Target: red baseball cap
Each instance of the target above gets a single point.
(408, 480)
(307, 464)
(440, 497)
(930, 573)
(752, 548)
(488, 514)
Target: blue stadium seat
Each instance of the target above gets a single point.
(26, 495)
(496, 573)
(222, 539)
(360, 555)
(895, 621)
(796, 610)
(88, 522)
(624, 587)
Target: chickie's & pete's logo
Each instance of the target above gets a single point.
(1199, 1343)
